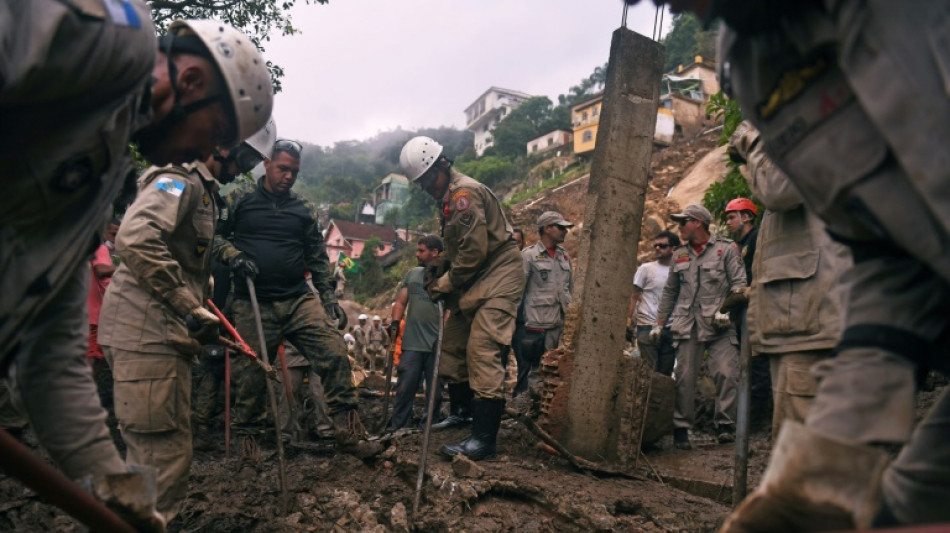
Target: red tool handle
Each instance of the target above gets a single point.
(233, 332)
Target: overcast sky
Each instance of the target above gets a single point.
(364, 66)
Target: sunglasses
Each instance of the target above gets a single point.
(685, 222)
(661, 246)
(560, 227)
(293, 148)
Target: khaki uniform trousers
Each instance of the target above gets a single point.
(471, 350)
(153, 405)
(793, 385)
(723, 366)
(52, 386)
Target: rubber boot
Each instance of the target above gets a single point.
(813, 483)
(351, 435)
(132, 495)
(460, 407)
(486, 418)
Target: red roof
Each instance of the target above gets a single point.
(364, 232)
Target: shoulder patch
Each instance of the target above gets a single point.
(459, 194)
(682, 257)
(462, 202)
(170, 185)
(467, 218)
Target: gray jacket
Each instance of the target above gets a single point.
(548, 286)
(697, 286)
(797, 300)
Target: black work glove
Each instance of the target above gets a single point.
(244, 267)
(335, 312)
(393, 329)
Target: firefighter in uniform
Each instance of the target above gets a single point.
(481, 284)
(850, 99)
(706, 269)
(164, 245)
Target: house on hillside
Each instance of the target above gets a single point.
(549, 141)
(585, 117)
(686, 92)
(487, 110)
(391, 193)
(346, 237)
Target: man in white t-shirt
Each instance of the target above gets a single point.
(648, 286)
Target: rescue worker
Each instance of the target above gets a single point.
(740, 214)
(272, 235)
(481, 283)
(549, 284)
(359, 336)
(851, 103)
(209, 372)
(796, 307)
(339, 276)
(377, 339)
(76, 108)
(153, 306)
(417, 360)
(705, 270)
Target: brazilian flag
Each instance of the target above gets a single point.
(349, 264)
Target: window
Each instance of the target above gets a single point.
(584, 116)
(550, 141)
(588, 136)
(596, 110)
(534, 147)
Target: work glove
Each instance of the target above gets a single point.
(813, 483)
(655, 334)
(721, 321)
(244, 267)
(335, 312)
(742, 142)
(735, 300)
(393, 329)
(203, 325)
(435, 271)
(630, 333)
(439, 288)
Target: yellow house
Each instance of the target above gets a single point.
(585, 117)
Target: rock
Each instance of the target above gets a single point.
(652, 225)
(465, 467)
(399, 518)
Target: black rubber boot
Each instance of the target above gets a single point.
(460, 407)
(486, 418)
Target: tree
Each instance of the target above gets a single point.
(733, 184)
(370, 280)
(256, 18)
(526, 122)
(686, 40)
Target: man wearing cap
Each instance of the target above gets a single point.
(377, 339)
(705, 270)
(547, 292)
(480, 281)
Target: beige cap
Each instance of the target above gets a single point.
(695, 211)
(549, 218)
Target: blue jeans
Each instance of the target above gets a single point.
(412, 365)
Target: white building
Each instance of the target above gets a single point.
(487, 110)
(549, 141)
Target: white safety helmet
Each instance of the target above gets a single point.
(246, 78)
(376, 318)
(255, 149)
(362, 316)
(418, 156)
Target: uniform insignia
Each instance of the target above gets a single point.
(789, 86)
(719, 252)
(459, 194)
(171, 186)
(544, 275)
(467, 218)
(445, 210)
(200, 249)
(462, 203)
(682, 258)
(205, 199)
(122, 13)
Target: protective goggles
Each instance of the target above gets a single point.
(293, 148)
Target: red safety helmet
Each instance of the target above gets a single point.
(742, 204)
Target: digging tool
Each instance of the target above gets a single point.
(18, 462)
(388, 387)
(272, 396)
(288, 390)
(742, 414)
(430, 411)
(227, 403)
(238, 343)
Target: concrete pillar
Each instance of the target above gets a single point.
(607, 259)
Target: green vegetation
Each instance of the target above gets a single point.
(574, 171)
(734, 184)
(686, 40)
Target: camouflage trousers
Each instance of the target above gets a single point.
(208, 386)
(302, 323)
